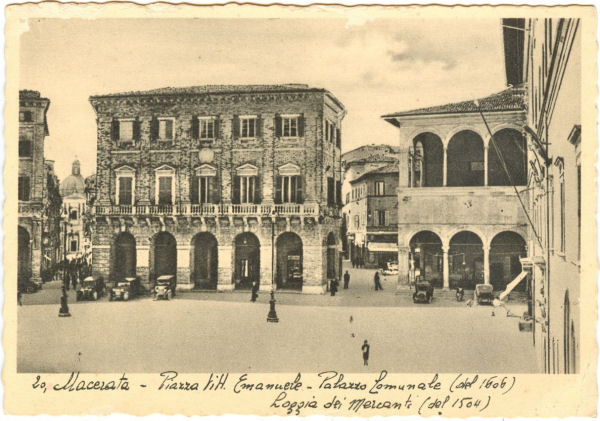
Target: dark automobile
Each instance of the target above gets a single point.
(124, 290)
(484, 293)
(90, 289)
(164, 287)
(423, 292)
(27, 286)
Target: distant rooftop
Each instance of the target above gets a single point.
(510, 99)
(384, 169)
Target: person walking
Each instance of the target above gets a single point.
(346, 280)
(377, 283)
(254, 291)
(333, 287)
(365, 351)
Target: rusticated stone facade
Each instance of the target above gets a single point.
(33, 129)
(184, 173)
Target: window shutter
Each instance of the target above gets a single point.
(278, 189)
(169, 129)
(236, 129)
(301, 125)
(195, 127)
(214, 190)
(154, 128)
(195, 190)
(236, 190)
(338, 137)
(216, 129)
(278, 126)
(136, 130)
(387, 217)
(299, 195)
(258, 128)
(115, 129)
(256, 189)
(338, 193)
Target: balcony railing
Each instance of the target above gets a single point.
(210, 209)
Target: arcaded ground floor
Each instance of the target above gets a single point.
(231, 255)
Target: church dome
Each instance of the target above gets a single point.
(73, 184)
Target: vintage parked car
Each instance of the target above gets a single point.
(124, 290)
(27, 286)
(423, 292)
(91, 289)
(484, 293)
(165, 287)
(391, 268)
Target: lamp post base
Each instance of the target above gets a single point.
(272, 316)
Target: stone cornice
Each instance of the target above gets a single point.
(211, 98)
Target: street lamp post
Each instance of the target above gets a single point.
(272, 316)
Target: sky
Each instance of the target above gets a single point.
(374, 67)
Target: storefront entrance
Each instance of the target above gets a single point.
(289, 261)
(247, 260)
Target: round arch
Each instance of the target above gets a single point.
(23, 255)
(426, 258)
(446, 140)
(331, 244)
(204, 264)
(465, 259)
(506, 250)
(246, 260)
(428, 166)
(290, 256)
(512, 147)
(465, 159)
(123, 256)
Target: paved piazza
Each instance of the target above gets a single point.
(228, 333)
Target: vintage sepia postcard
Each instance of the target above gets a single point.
(318, 210)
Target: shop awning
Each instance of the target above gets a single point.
(513, 284)
(385, 247)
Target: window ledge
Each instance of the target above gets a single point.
(29, 158)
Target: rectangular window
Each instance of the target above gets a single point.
(288, 189)
(330, 191)
(165, 129)
(347, 197)
(165, 189)
(73, 214)
(247, 189)
(379, 188)
(207, 128)
(25, 116)
(290, 126)
(356, 221)
(201, 190)
(381, 217)
(125, 131)
(23, 188)
(125, 190)
(248, 127)
(338, 193)
(74, 243)
(25, 147)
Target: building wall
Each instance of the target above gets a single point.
(557, 282)
(31, 211)
(445, 211)
(317, 157)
